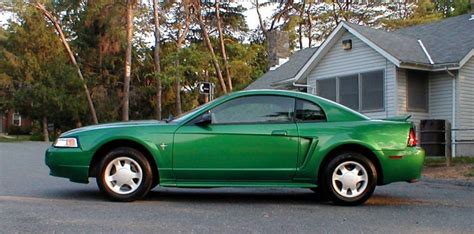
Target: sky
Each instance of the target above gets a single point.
(250, 15)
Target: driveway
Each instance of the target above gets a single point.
(33, 201)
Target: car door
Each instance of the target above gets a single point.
(249, 138)
(310, 119)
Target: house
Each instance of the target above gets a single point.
(426, 71)
(11, 118)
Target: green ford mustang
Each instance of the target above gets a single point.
(245, 139)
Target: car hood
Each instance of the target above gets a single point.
(114, 125)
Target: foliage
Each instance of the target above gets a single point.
(37, 79)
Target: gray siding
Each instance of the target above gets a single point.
(465, 101)
(360, 58)
(441, 96)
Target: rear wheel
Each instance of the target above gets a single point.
(349, 179)
(125, 175)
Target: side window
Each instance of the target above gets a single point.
(308, 111)
(254, 109)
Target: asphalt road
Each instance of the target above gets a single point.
(33, 201)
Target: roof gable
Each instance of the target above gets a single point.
(286, 71)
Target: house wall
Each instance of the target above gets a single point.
(465, 110)
(402, 98)
(360, 58)
(441, 96)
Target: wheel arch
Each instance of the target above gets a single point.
(116, 143)
(353, 147)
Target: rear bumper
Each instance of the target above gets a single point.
(68, 163)
(402, 165)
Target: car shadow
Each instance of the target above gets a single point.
(236, 196)
(230, 196)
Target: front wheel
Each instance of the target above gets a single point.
(349, 179)
(125, 175)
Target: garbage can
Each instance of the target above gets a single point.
(433, 136)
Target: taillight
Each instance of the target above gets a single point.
(412, 138)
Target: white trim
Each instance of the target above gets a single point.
(337, 31)
(13, 119)
(373, 45)
(323, 49)
(425, 51)
(424, 68)
(466, 58)
(315, 55)
(453, 122)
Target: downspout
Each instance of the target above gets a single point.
(304, 86)
(453, 133)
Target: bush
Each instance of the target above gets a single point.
(18, 130)
(36, 137)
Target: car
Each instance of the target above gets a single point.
(256, 138)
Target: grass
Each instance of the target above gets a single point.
(461, 162)
(470, 172)
(20, 138)
(441, 161)
(14, 138)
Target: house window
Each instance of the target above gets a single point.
(16, 119)
(372, 90)
(326, 89)
(361, 92)
(349, 91)
(417, 91)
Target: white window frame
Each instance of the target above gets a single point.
(19, 119)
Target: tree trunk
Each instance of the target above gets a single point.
(222, 46)
(156, 53)
(45, 129)
(310, 25)
(300, 26)
(260, 20)
(128, 62)
(59, 30)
(177, 87)
(206, 78)
(205, 35)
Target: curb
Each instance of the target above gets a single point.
(449, 181)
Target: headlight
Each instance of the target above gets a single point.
(68, 142)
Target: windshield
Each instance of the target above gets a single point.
(187, 114)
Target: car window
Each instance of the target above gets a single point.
(308, 111)
(254, 109)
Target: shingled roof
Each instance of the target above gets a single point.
(286, 71)
(433, 46)
(446, 41)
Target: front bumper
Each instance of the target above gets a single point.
(70, 163)
(401, 165)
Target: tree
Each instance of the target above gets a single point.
(156, 58)
(222, 45)
(128, 61)
(44, 86)
(72, 58)
(197, 8)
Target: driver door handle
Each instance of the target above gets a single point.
(279, 133)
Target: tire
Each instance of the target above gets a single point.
(125, 175)
(349, 179)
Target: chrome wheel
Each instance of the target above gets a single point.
(123, 175)
(349, 179)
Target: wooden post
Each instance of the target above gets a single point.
(447, 144)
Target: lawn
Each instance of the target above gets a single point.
(20, 138)
(462, 167)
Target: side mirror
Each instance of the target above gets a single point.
(204, 120)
